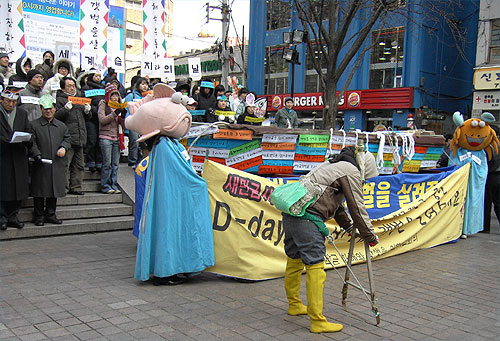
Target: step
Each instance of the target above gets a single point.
(82, 211)
(91, 186)
(87, 175)
(72, 226)
(88, 198)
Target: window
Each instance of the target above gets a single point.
(495, 42)
(134, 34)
(135, 4)
(386, 58)
(276, 70)
(278, 14)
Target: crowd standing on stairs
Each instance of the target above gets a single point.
(58, 138)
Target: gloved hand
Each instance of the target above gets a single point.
(375, 242)
(121, 112)
(87, 108)
(232, 119)
(222, 117)
(68, 106)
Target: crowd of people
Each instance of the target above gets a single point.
(64, 120)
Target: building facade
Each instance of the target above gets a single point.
(408, 71)
(487, 74)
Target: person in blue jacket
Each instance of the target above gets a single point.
(141, 85)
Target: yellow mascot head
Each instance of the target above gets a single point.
(475, 134)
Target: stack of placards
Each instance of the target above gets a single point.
(288, 154)
(310, 152)
(278, 153)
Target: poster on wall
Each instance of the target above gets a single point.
(48, 23)
(94, 29)
(116, 53)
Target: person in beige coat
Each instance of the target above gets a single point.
(339, 178)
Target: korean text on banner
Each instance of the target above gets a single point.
(153, 13)
(194, 68)
(248, 229)
(94, 30)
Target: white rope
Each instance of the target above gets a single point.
(343, 142)
(380, 153)
(367, 139)
(396, 158)
(330, 144)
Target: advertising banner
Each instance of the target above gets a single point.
(94, 30)
(248, 229)
(51, 23)
(153, 13)
(15, 35)
(116, 49)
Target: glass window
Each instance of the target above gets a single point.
(495, 42)
(276, 70)
(134, 34)
(311, 83)
(386, 58)
(278, 14)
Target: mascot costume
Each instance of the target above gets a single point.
(473, 140)
(175, 229)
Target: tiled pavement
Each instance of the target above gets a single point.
(81, 288)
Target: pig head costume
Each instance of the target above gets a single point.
(175, 230)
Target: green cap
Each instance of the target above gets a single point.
(47, 101)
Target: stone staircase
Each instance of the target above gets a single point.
(89, 213)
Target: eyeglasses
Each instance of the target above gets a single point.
(38, 76)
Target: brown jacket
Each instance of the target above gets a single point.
(338, 181)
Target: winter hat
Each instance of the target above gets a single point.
(4, 54)
(51, 53)
(32, 73)
(109, 90)
(64, 64)
(222, 98)
(192, 101)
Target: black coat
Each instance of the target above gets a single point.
(91, 85)
(49, 181)
(14, 159)
(74, 119)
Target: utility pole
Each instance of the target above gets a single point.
(225, 52)
(225, 10)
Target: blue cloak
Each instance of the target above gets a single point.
(474, 202)
(175, 232)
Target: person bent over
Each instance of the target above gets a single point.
(51, 140)
(339, 178)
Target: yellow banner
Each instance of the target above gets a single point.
(248, 230)
(116, 105)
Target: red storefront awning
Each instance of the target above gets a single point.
(396, 98)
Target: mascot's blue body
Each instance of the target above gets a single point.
(175, 229)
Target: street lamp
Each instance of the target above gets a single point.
(291, 55)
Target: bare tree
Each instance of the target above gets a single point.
(341, 48)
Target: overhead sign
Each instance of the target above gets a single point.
(359, 99)
(486, 100)
(487, 78)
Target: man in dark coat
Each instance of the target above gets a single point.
(13, 160)
(93, 151)
(51, 140)
(29, 97)
(206, 99)
(74, 116)
(46, 67)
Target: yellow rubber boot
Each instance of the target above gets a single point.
(315, 279)
(294, 268)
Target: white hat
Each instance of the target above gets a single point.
(191, 101)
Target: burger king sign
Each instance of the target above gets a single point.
(354, 99)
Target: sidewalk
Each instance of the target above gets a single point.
(81, 287)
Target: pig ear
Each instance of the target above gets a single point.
(162, 90)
